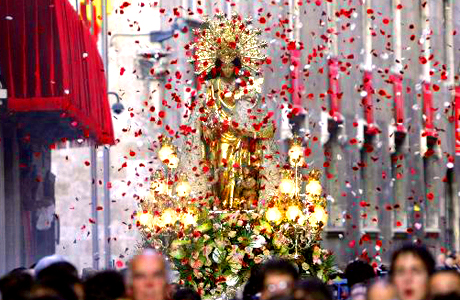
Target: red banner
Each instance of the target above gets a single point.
(51, 63)
(399, 101)
(457, 120)
(295, 79)
(334, 89)
(368, 104)
(428, 110)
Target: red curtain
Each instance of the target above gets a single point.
(50, 62)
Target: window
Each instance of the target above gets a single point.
(399, 166)
(399, 181)
(432, 157)
(369, 201)
(334, 163)
(433, 190)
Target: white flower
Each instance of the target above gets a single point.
(232, 280)
(217, 255)
(258, 242)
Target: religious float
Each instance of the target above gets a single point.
(224, 200)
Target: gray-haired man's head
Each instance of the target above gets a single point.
(148, 276)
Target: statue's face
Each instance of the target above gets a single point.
(227, 66)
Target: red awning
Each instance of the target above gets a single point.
(52, 67)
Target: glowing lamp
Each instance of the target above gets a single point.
(156, 221)
(273, 214)
(166, 151)
(188, 219)
(287, 186)
(314, 188)
(173, 161)
(183, 188)
(319, 215)
(293, 212)
(301, 220)
(146, 219)
(169, 217)
(159, 186)
(295, 152)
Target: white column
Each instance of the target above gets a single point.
(397, 67)
(449, 46)
(425, 41)
(332, 27)
(367, 36)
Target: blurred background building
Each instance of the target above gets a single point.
(370, 85)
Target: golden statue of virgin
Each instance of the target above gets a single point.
(235, 132)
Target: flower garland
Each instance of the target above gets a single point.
(217, 255)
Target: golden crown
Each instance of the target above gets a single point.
(227, 45)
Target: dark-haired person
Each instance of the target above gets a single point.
(312, 289)
(278, 277)
(105, 285)
(186, 294)
(358, 273)
(411, 267)
(15, 285)
(451, 296)
(46, 298)
(254, 285)
(445, 282)
(61, 277)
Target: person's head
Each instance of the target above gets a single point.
(46, 298)
(441, 260)
(148, 276)
(172, 289)
(277, 277)
(105, 285)
(15, 285)
(381, 290)
(48, 261)
(63, 278)
(410, 269)
(312, 289)
(451, 296)
(186, 294)
(254, 284)
(358, 271)
(444, 282)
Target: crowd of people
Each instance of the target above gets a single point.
(413, 275)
